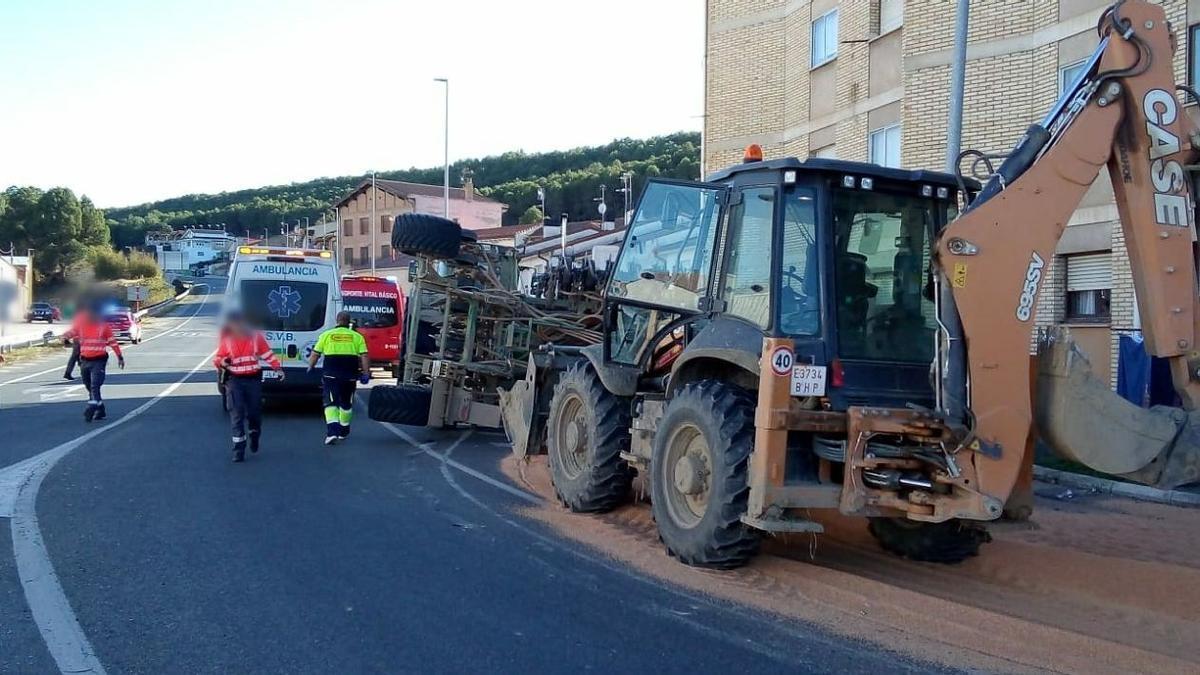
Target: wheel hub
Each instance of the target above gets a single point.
(689, 475)
(574, 435)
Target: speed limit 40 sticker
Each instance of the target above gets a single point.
(782, 359)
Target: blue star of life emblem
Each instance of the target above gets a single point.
(284, 302)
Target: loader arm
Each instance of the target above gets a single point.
(993, 259)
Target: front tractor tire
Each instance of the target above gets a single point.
(586, 432)
(700, 475)
(950, 542)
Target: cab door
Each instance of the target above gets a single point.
(664, 272)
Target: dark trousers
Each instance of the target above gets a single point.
(339, 404)
(73, 361)
(245, 409)
(93, 371)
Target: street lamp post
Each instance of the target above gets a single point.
(372, 228)
(446, 149)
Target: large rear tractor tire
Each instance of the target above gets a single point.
(700, 483)
(950, 542)
(423, 234)
(586, 432)
(400, 404)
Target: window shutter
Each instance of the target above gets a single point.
(1091, 272)
(891, 14)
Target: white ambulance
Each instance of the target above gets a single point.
(292, 296)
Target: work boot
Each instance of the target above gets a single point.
(344, 432)
(89, 412)
(239, 456)
(100, 413)
(253, 443)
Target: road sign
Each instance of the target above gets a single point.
(137, 293)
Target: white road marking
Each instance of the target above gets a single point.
(427, 448)
(19, 485)
(203, 299)
(61, 393)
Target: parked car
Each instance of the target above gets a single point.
(43, 311)
(124, 324)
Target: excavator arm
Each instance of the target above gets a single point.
(1123, 114)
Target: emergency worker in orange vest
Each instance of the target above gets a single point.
(94, 337)
(239, 354)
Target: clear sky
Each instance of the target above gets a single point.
(129, 101)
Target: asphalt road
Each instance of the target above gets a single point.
(143, 549)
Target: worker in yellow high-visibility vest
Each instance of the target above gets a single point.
(346, 364)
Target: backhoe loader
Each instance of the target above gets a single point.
(796, 335)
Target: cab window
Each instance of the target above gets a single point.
(747, 281)
(667, 255)
(799, 288)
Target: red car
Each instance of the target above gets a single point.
(376, 306)
(124, 324)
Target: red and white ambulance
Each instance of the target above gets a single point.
(376, 306)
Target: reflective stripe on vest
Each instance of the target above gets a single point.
(94, 340)
(241, 354)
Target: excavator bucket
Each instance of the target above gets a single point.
(1081, 419)
(516, 409)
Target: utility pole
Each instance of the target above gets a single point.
(627, 190)
(952, 390)
(958, 73)
(542, 199)
(372, 222)
(446, 149)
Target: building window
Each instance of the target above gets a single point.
(1193, 58)
(385, 252)
(364, 255)
(385, 223)
(364, 225)
(1068, 73)
(891, 15)
(348, 255)
(824, 38)
(348, 227)
(1089, 287)
(885, 146)
(827, 152)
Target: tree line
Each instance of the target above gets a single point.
(571, 180)
(62, 229)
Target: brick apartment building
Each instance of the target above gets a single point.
(869, 80)
(391, 198)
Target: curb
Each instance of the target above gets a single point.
(1105, 486)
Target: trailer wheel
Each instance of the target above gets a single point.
(586, 432)
(400, 404)
(423, 234)
(700, 484)
(950, 542)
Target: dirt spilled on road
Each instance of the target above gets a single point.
(1091, 585)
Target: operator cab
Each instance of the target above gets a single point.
(833, 254)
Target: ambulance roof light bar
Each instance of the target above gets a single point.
(294, 252)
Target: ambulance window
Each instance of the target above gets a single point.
(276, 304)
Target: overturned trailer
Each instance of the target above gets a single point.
(470, 333)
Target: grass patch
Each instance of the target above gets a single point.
(25, 354)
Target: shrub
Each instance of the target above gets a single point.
(141, 265)
(109, 264)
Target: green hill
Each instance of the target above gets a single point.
(572, 178)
